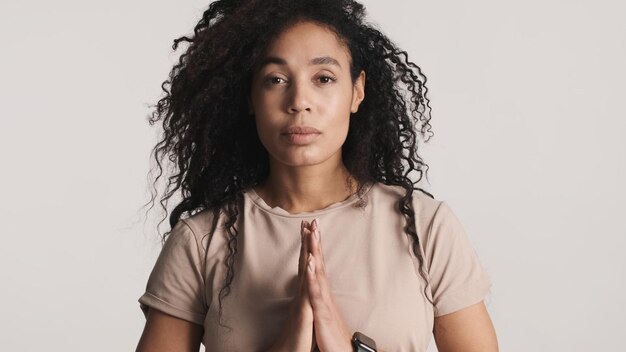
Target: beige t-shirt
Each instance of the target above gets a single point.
(371, 267)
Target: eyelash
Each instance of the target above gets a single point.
(332, 79)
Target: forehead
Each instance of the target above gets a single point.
(307, 43)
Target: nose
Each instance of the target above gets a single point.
(299, 98)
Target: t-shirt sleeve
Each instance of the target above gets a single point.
(456, 275)
(176, 284)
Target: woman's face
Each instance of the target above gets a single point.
(305, 81)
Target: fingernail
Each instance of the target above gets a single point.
(315, 222)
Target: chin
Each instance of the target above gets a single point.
(301, 161)
(306, 155)
(301, 158)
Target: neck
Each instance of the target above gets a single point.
(306, 188)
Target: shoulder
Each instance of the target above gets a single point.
(201, 222)
(203, 226)
(424, 206)
(429, 212)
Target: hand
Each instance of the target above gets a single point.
(297, 336)
(331, 332)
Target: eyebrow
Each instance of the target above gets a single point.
(323, 60)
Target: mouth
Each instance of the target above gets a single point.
(300, 138)
(300, 134)
(300, 130)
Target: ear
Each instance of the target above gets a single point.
(358, 92)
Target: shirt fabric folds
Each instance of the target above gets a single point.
(371, 267)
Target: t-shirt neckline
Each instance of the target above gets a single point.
(260, 203)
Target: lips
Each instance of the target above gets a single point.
(300, 130)
(300, 135)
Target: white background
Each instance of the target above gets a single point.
(529, 151)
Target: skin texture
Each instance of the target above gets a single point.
(165, 333)
(331, 331)
(210, 149)
(292, 91)
(297, 334)
(469, 329)
(306, 178)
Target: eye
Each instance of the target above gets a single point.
(273, 80)
(326, 79)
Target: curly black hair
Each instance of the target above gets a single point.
(213, 143)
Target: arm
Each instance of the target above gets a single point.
(165, 333)
(468, 330)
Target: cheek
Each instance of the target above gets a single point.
(263, 113)
(337, 111)
(266, 129)
(336, 132)
(339, 102)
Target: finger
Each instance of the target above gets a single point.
(305, 249)
(304, 290)
(319, 231)
(314, 345)
(320, 272)
(316, 244)
(303, 252)
(302, 280)
(306, 230)
(315, 291)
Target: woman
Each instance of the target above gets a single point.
(287, 116)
